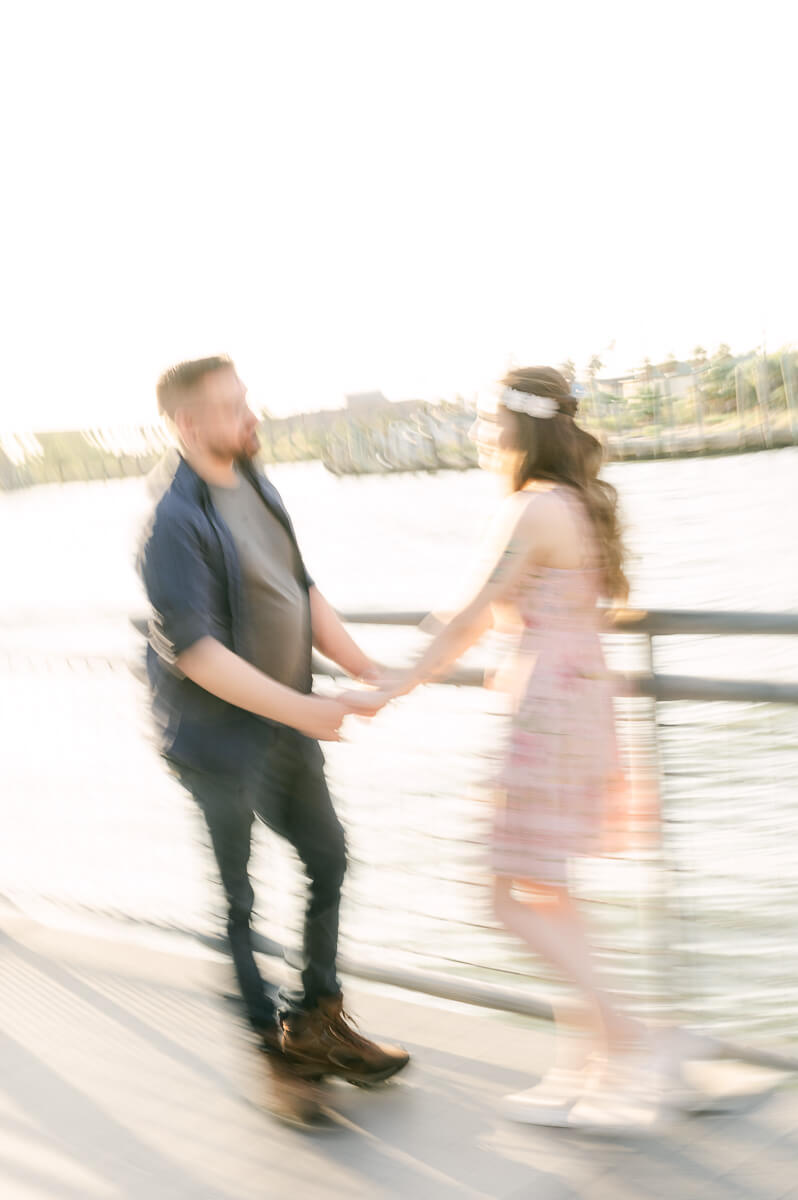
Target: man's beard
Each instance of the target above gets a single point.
(251, 447)
(246, 450)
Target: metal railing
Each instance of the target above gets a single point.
(652, 687)
(433, 866)
(657, 686)
(650, 624)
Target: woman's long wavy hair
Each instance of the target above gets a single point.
(556, 448)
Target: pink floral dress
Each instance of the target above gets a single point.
(561, 756)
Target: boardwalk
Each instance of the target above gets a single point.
(124, 1074)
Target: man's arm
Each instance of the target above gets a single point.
(331, 639)
(179, 585)
(212, 666)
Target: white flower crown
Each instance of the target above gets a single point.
(527, 402)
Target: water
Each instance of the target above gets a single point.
(93, 823)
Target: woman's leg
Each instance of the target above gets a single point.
(549, 922)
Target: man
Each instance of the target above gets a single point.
(235, 616)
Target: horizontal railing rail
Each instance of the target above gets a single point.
(655, 622)
(648, 622)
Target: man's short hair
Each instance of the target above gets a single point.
(177, 381)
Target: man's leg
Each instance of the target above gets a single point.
(318, 1038)
(294, 801)
(225, 803)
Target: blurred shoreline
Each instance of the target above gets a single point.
(414, 444)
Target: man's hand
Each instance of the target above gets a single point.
(322, 718)
(326, 713)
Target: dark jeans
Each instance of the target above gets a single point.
(286, 788)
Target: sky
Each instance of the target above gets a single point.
(402, 196)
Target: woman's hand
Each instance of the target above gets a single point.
(368, 702)
(378, 676)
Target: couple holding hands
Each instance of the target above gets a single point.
(234, 618)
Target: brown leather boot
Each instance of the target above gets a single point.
(292, 1098)
(323, 1042)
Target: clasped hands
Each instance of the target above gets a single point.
(385, 684)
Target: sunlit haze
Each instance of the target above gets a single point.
(394, 196)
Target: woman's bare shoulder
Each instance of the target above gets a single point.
(526, 519)
(540, 501)
(548, 520)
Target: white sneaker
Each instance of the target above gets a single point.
(677, 1056)
(624, 1099)
(548, 1102)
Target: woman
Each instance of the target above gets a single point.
(557, 552)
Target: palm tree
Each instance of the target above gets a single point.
(721, 385)
(593, 367)
(568, 371)
(648, 393)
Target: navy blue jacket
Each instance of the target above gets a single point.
(191, 572)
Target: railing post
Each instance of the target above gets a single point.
(663, 914)
(658, 917)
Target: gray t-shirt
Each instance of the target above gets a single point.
(276, 607)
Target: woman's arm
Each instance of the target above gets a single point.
(516, 539)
